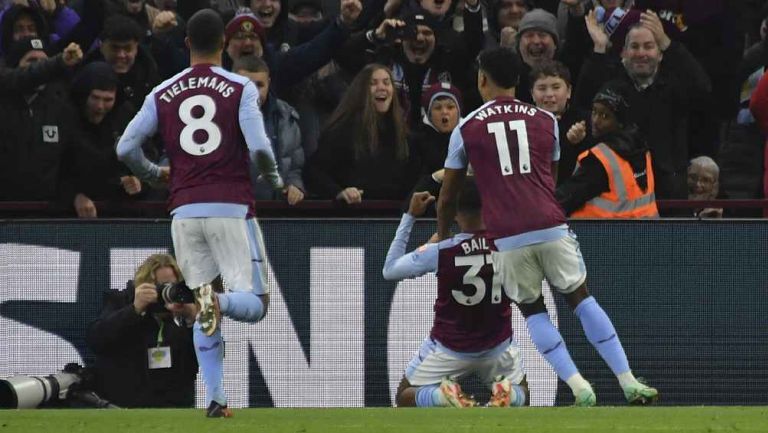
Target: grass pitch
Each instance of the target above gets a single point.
(385, 420)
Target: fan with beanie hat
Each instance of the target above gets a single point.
(610, 95)
(245, 21)
(541, 20)
(435, 92)
(422, 19)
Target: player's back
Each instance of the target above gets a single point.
(472, 313)
(198, 119)
(511, 146)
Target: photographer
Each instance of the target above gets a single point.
(143, 346)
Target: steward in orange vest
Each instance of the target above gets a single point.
(613, 179)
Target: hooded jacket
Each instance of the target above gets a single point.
(91, 166)
(9, 17)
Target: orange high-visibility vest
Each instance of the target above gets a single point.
(625, 198)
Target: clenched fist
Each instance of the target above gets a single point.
(577, 132)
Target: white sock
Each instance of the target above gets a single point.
(577, 383)
(626, 379)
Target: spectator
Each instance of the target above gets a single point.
(35, 131)
(19, 22)
(364, 148)
(441, 111)
(272, 17)
(20, 80)
(91, 169)
(315, 97)
(245, 35)
(537, 42)
(445, 15)
(281, 124)
(164, 33)
(135, 68)
(144, 14)
(418, 58)
(144, 351)
(53, 21)
(660, 94)
(614, 178)
(703, 184)
(504, 18)
(305, 20)
(551, 91)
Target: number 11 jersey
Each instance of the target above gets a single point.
(511, 147)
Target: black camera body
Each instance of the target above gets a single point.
(405, 33)
(171, 293)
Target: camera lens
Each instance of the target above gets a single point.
(172, 293)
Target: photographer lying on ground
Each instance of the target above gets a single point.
(143, 344)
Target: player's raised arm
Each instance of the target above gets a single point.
(398, 265)
(143, 126)
(252, 125)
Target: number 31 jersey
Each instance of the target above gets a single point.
(472, 312)
(198, 113)
(511, 146)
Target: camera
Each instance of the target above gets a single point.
(174, 293)
(171, 293)
(28, 392)
(406, 33)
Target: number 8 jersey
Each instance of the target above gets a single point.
(511, 147)
(208, 118)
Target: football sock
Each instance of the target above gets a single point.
(550, 344)
(518, 396)
(210, 356)
(577, 383)
(626, 379)
(430, 396)
(601, 333)
(243, 306)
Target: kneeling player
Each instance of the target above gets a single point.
(472, 330)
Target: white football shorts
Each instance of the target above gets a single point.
(433, 362)
(522, 270)
(230, 247)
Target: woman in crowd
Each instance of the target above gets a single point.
(363, 150)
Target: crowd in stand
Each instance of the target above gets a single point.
(359, 97)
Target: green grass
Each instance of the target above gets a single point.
(383, 420)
